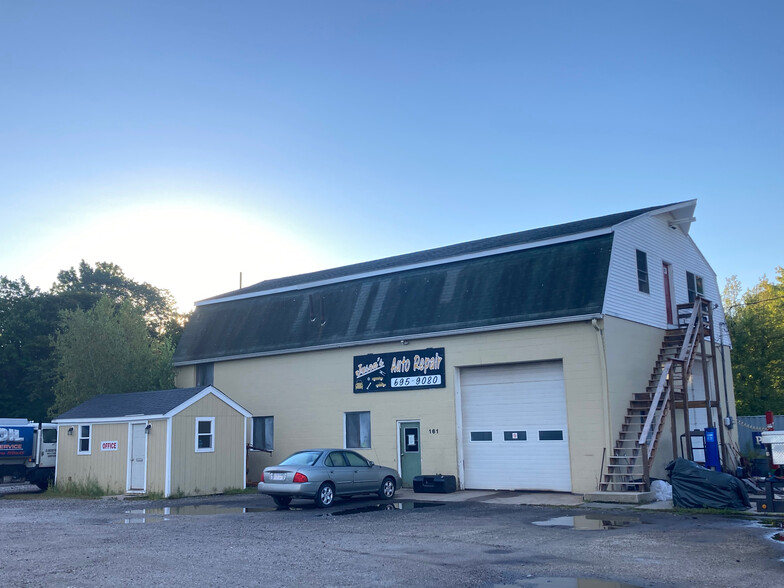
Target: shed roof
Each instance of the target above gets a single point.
(135, 404)
(541, 275)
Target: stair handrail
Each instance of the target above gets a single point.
(664, 384)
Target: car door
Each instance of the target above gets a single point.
(339, 472)
(364, 473)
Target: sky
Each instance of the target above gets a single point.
(190, 141)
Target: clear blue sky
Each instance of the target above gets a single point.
(189, 141)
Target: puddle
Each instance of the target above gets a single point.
(385, 506)
(156, 515)
(566, 583)
(590, 522)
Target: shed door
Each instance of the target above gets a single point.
(514, 432)
(138, 451)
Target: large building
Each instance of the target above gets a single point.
(524, 361)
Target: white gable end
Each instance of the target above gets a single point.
(662, 243)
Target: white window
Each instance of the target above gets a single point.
(205, 434)
(694, 286)
(263, 434)
(84, 439)
(357, 430)
(643, 284)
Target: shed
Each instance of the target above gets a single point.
(186, 441)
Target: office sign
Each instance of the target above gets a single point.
(401, 370)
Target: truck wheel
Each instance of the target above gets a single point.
(44, 484)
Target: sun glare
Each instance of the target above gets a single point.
(194, 251)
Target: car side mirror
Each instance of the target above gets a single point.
(371, 463)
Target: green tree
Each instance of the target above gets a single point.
(755, 321)
(107, 279)
(28, 318)
(108, 350)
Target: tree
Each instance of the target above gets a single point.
(756, 324)
(107, 279)
(30, 318)
(107, 350)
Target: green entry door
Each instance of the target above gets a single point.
(410, 452)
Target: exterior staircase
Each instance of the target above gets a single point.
(627, 466)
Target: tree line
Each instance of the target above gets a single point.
(755, 320)
(96, 331)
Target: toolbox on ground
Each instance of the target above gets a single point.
(437, 484)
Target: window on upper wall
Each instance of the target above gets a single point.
(694, 286)
(358, 430)
(205, 434)
(642, 272)
(84, 439)
(263, 433)
(205, 374)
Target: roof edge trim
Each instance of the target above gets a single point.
(414, 337)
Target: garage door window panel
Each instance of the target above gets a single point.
(481, 435)
(551, 436)
(515, 436)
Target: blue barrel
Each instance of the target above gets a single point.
(712, 460)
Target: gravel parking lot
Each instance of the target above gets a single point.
(245, 540)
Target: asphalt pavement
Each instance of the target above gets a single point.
(462, 539)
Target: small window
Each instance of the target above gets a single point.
(205, 374)
(642, 272)
(84, 439)
(358, 430)
(205, 433)
(550, 435)
(694, 286)
(514, 436)
(263, 433)
(481, 435)
(50, 435)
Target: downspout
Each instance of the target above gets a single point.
(605, 389)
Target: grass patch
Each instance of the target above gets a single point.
(231, 491)
(90, 488)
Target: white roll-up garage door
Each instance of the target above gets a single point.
(514, 433)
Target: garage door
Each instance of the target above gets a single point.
(514, 432)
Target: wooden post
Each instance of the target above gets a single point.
(673, 424)
(724, 453)
(705, 380)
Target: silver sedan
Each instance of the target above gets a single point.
(323, 474)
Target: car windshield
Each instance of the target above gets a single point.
(302, 458)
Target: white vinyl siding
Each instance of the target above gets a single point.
(514, 427)
(661, 243)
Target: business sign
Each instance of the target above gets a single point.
(108, 445)
(16, 441)
(401, 370)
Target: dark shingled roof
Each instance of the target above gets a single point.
(155, 402)
(562, 280)
(393, 298)
(450, 251)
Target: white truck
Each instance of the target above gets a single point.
(27, 451)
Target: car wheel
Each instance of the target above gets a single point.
(325, 495)
(282, 500)
(387, 489)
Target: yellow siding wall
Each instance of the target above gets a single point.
(207, 473)
(156, 457)
(107, 468)
(308, 394)
(631, 350)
